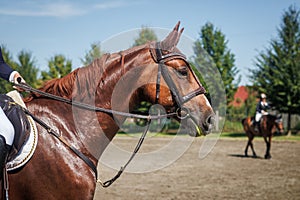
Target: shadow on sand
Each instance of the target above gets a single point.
(243, 156)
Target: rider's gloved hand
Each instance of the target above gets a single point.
(15, 77)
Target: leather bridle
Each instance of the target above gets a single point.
(179, 99)
(161, 60)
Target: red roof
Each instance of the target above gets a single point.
(240, 96)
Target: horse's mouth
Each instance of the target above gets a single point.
(196, 130)
(194, 123)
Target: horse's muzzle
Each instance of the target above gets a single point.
(209, 124)
(197, 128)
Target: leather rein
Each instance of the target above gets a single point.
(160, 59)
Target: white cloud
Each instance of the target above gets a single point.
(56, 9)
(51, 9)
(62, 10)
(109, 4)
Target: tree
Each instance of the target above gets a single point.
(59, 66)
(278, 67)
(251, 101)
(26, 67)
(145, 35)
(92, 54)
(211, 48)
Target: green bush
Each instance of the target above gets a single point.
(233, 126)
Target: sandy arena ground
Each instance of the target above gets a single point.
(223, 174)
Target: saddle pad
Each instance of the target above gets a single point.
(29, 147)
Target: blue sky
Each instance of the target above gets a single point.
(68, 27)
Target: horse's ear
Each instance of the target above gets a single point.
(170, 42)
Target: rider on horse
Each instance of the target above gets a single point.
(261, 109)
(7, 131)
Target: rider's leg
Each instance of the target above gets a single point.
(256, 121)
(7, 133)
(6, 128)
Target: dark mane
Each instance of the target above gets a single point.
(82, 80)
(59, 86)
(272, 117)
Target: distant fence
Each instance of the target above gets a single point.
(221, 124)
(295, 121)
(234, 125)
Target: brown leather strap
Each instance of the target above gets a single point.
(60, 138)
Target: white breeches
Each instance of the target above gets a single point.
(258, 116)
(6, 128)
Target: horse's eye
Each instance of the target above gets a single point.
(183, 71)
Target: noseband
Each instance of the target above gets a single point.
(161, 60)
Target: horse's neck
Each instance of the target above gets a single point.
(95, 84)
(269, 124)
(102, 85)
(96, 130)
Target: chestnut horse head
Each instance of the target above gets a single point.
(165, 77)
(156, 72)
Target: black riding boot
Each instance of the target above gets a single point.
(256, 126)
(4, 150)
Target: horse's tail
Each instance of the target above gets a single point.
(245, 125)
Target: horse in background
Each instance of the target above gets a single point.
(268, 126)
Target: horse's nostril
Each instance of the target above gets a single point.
(210, 120)
(209, 123)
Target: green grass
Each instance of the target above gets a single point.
(224, 135)
(233, 135)
(231, 126)
(287, 138)
(241, 135)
